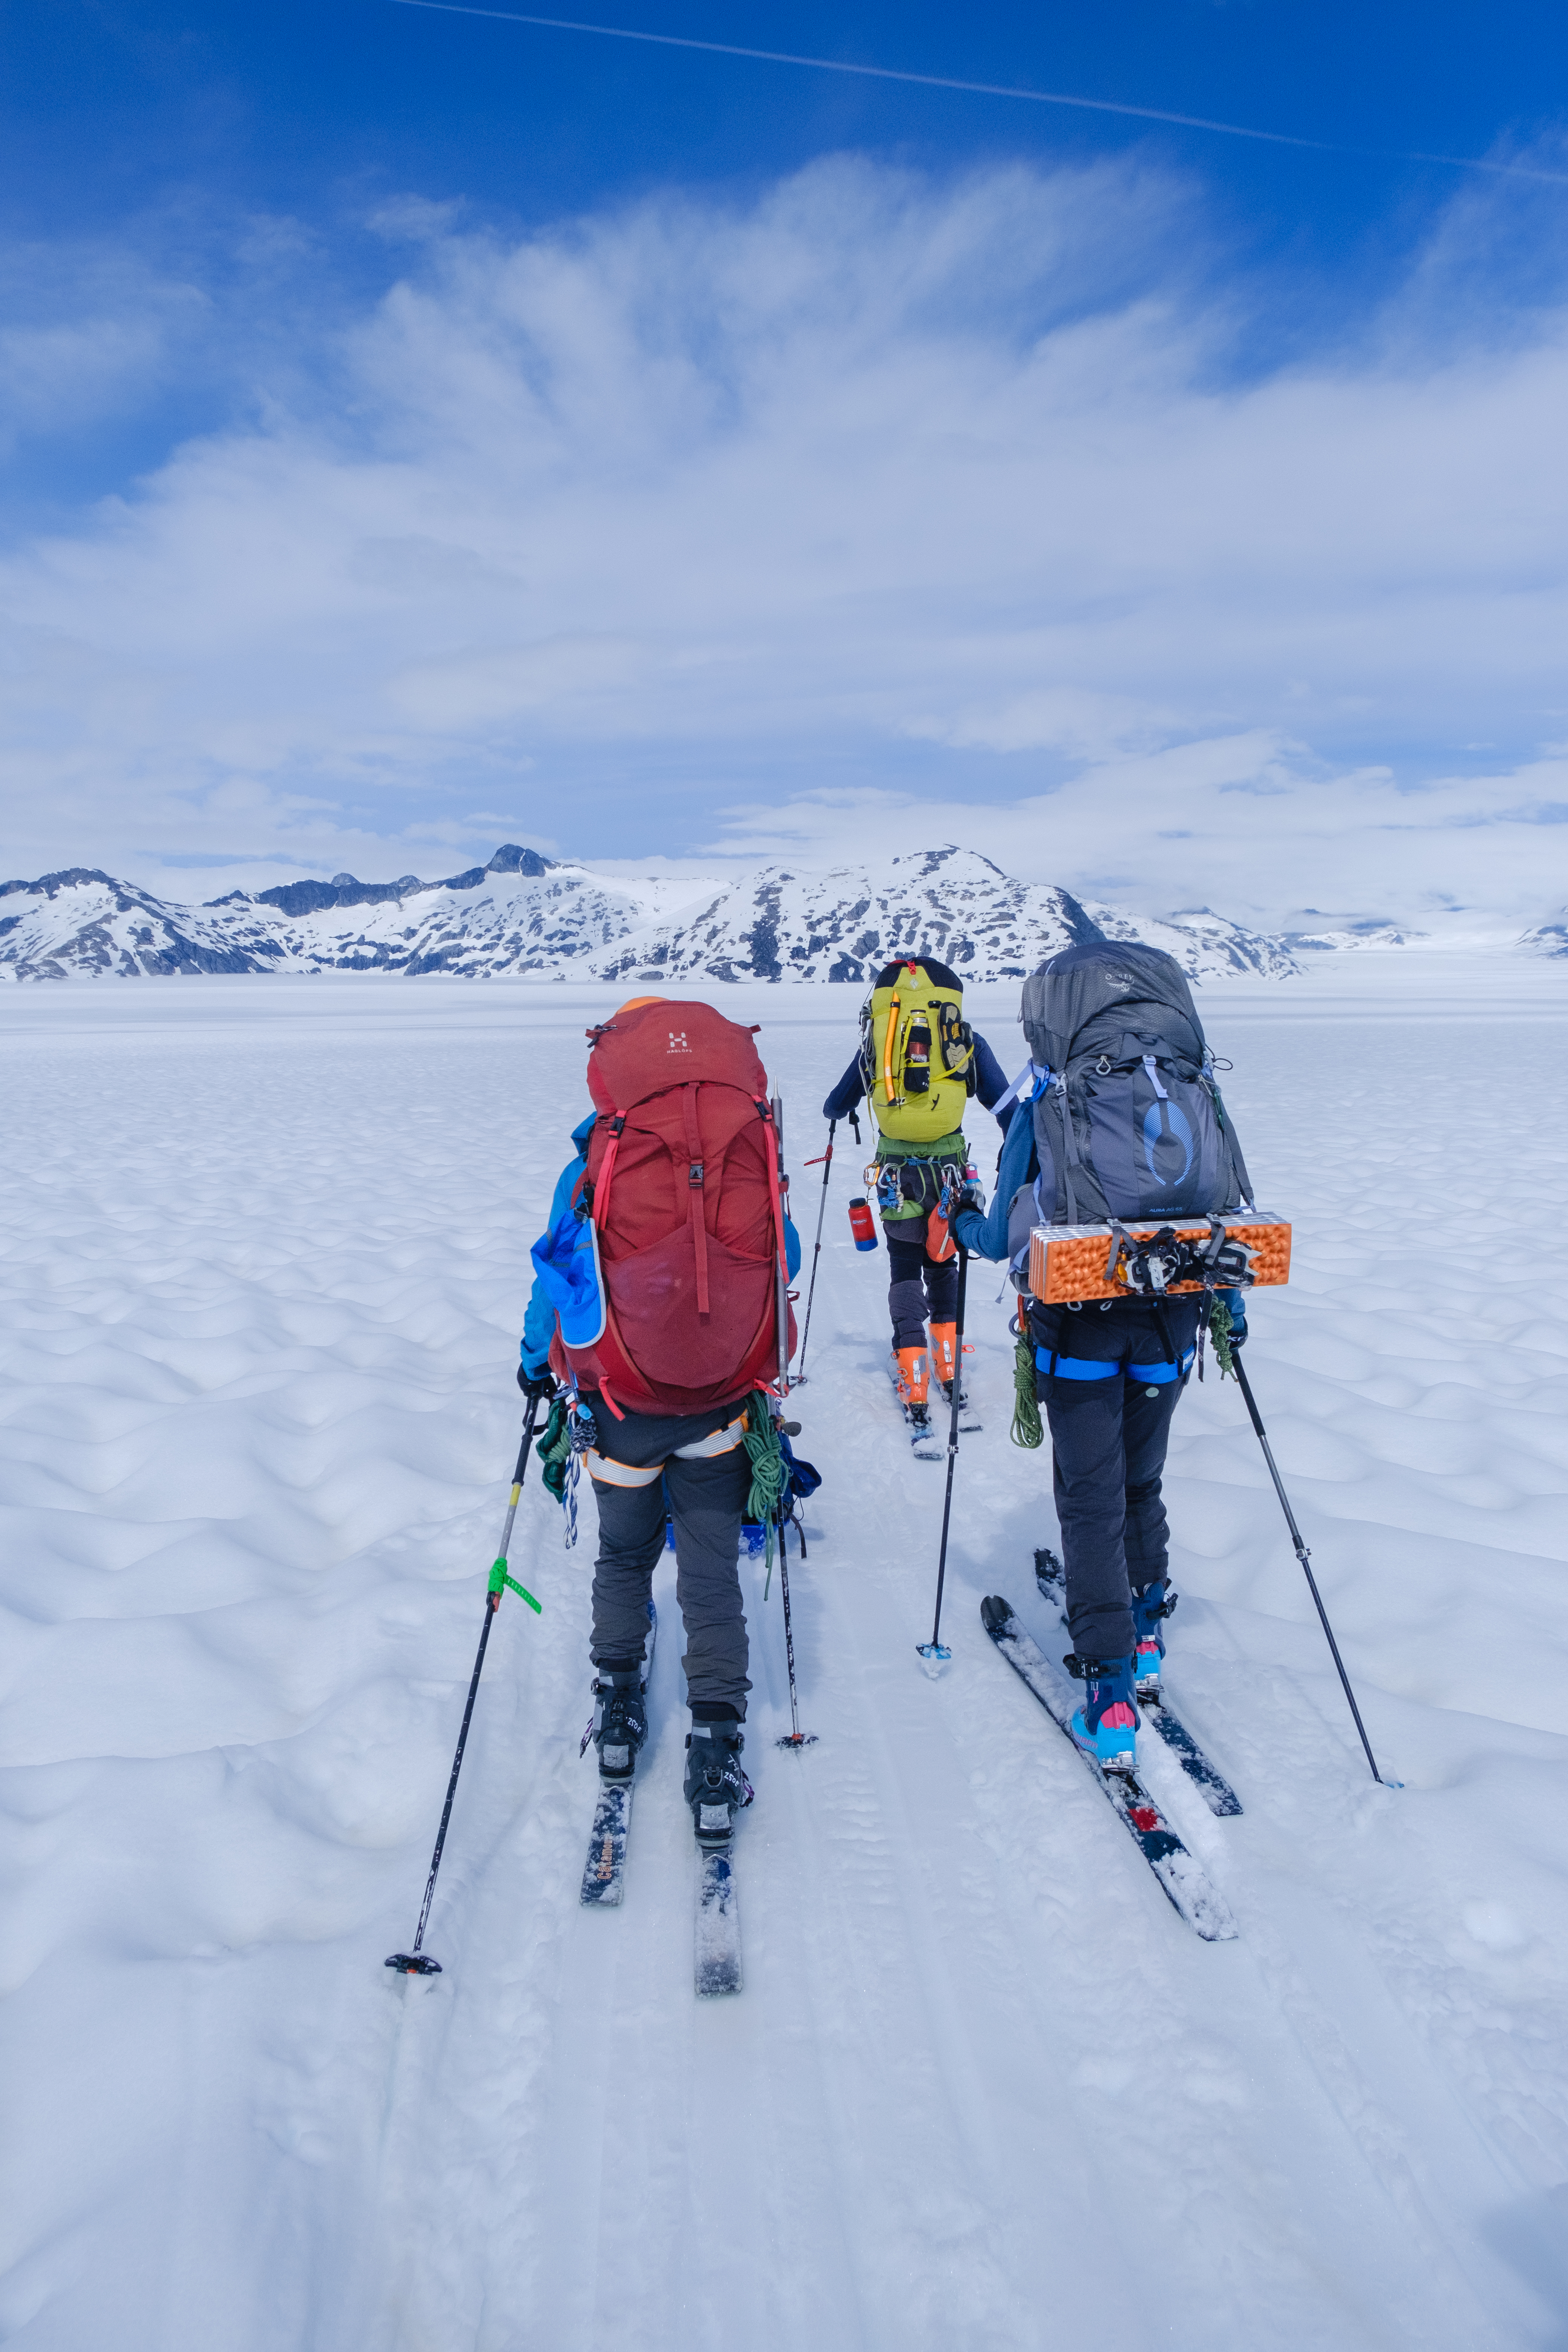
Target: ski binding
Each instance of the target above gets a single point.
(1206, 1778)
(604, 1871)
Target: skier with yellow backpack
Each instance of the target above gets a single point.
(918, 1063)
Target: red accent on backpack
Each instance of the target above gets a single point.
(682, 1163)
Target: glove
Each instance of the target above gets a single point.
(536, 1384)
(1235, 1301)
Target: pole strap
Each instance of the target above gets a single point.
(500, 1580)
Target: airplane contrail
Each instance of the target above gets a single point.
(975, 88)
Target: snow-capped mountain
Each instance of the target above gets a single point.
(528, 917)
(519, 914)
(1548, 938)
(796, 923)
(1359, 934)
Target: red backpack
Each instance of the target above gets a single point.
(682, 1191)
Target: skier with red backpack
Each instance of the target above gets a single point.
(660, 1305)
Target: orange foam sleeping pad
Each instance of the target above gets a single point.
(1067, 1262)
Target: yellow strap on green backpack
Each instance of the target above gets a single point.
(916, 1054)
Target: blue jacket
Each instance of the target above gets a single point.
(539, 1322)
(986, 1237)
(991, 1084)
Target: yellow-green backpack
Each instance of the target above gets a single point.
(917, 1050)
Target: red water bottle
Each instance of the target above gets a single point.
(861, 1223)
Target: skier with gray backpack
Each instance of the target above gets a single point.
(1124, 1121)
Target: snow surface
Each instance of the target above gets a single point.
(265, 1257)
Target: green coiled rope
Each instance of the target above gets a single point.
(1219, 1332)
(554, 1450)
(1025, 1429)
(770, 1475)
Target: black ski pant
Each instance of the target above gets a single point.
(698, 1462)
(1109, 1436)
(917, 1285)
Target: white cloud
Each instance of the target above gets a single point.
(873, 502)
(1237, 822)
(88, 331)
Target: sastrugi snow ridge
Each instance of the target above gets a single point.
(530, 917)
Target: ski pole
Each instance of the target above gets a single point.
(781, 1271)
(417, 1962)
(794, 1737)
(1304, 1557)
(816, 1253)
(933, 1649)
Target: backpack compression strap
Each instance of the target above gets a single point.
(781, 1308)
(694, 1178)
(600, 1208)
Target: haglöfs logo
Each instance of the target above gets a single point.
(678, 1044)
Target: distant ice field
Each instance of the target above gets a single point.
(263, 1260)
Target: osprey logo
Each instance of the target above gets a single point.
(678, 1044)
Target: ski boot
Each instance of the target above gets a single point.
(1150, 1608)
(1106, 1726)
(911, 1378)
(620, 1720)
(944, 1357)
(716, 1787)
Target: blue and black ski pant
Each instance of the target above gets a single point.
(695, 1465)
(1109, 1378)
(917, 1285)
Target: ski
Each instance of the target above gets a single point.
(967, 1422)
(1050, 1576)
(1183, 1880)
(604, 1871)
(1208, 1779)
(718, 1922)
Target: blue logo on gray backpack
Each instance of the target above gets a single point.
(1163, 1123)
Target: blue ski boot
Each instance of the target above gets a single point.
(1149, 1609)
(1106, 1726)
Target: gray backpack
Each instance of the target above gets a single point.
(1129, 1121)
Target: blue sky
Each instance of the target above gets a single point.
(424, 428)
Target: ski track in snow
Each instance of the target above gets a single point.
(265, 1256)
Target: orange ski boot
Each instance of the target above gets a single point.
(912, 1377)
(944, 1358)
